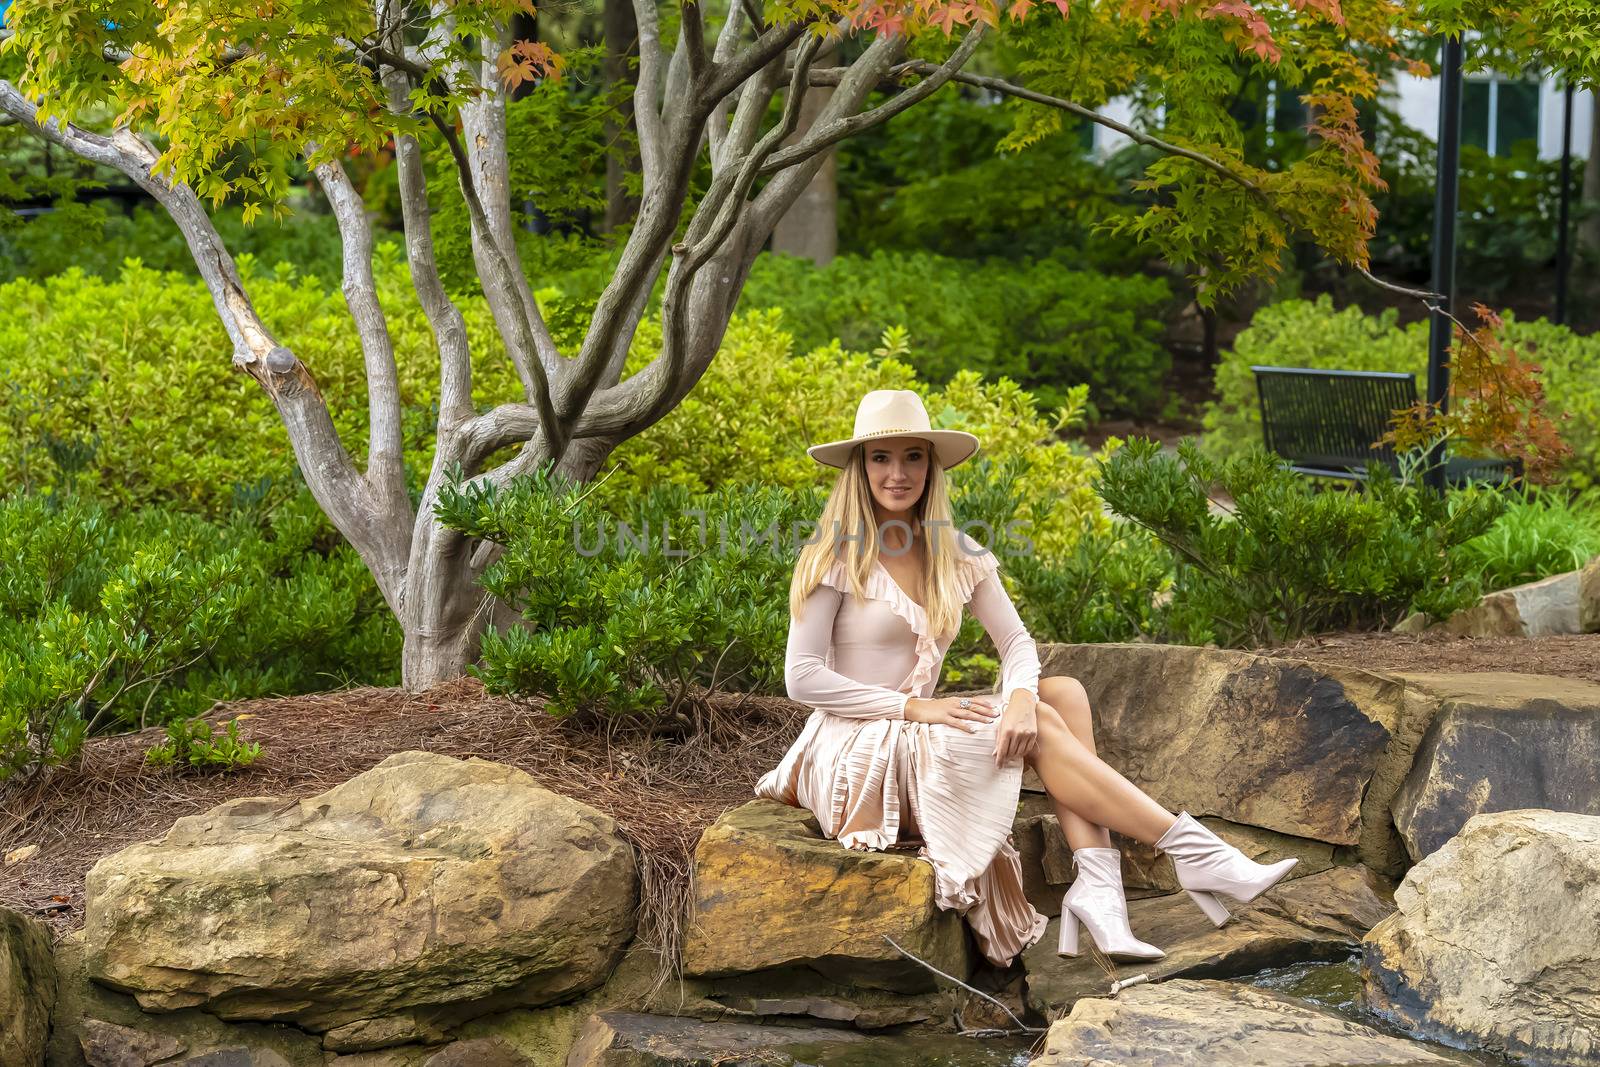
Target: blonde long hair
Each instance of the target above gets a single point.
(849, 509)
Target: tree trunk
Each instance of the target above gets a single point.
(621, 34)
(1589, 229)
(811, 227)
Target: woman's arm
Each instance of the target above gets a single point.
(1019, 656)
(810, 681)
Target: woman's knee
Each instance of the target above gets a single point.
(1071, 702)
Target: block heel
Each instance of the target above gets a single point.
(1069, 934)
(1209, 903)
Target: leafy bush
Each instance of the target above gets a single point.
(1291, 559)
(94, 237)
(1038, 323)
(1541, 533)
(125, 387)
(123, 620)
(623, 626)
(1299, 333)
(196, 743)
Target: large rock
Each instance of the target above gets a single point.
(1552, 605)
(1320, 917)
(1180, 1023)
(27, 989)
(1494, 941)
(99, 1027)
(1274, 743)
(628, 1039)
(1589, 597)
(771, 892)
(427, 888)
(1498, 743)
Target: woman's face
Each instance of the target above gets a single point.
(897, 471)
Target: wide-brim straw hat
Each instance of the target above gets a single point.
(896, 413)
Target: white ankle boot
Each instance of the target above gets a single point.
(1095, 899)
(1207, 865)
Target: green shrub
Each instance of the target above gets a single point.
(1292, 559)
(1540, 534)
(1300, 333)
(111, 621)
(125, 387)
(196, 743)
(1038, 323)
(622, 628)
(94, 237)
(936, 180)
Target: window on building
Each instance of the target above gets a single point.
(1496, 113)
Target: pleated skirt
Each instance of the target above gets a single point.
(874, 782)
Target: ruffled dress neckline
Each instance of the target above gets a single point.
(880, 585)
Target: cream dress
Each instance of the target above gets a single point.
(872, 778)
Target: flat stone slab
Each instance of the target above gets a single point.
(1274, 743)
(1184, 1023)
(1322, 916)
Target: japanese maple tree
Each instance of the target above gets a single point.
(212, 101)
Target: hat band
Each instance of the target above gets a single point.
(898, 429)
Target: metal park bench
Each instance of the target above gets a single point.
(1324, 423)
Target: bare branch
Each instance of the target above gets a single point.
(727, 41)
(754, 100)
(861, 77)
(385, 462)
(500, 278)
(647, 94)
(772, 43)
(692, 39)
(753, 12)
(484, 123)
(825, 135)
(1000, 85)
(444, 318)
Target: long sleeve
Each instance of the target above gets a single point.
(1019, 656)
(810, 681)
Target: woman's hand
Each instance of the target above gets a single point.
(1019, 729)
(948, 710)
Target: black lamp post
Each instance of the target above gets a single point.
(1563, 235)
(1444, 243)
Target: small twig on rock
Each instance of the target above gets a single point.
(1121, 984)
(1023, 1027)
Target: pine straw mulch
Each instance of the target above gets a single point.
(1564, 656)
(661, 789)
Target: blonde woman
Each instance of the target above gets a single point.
(875, 601)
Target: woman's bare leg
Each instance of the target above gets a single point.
(1089, 789)
(1067, 697)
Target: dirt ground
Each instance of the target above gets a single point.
(1575, 656)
